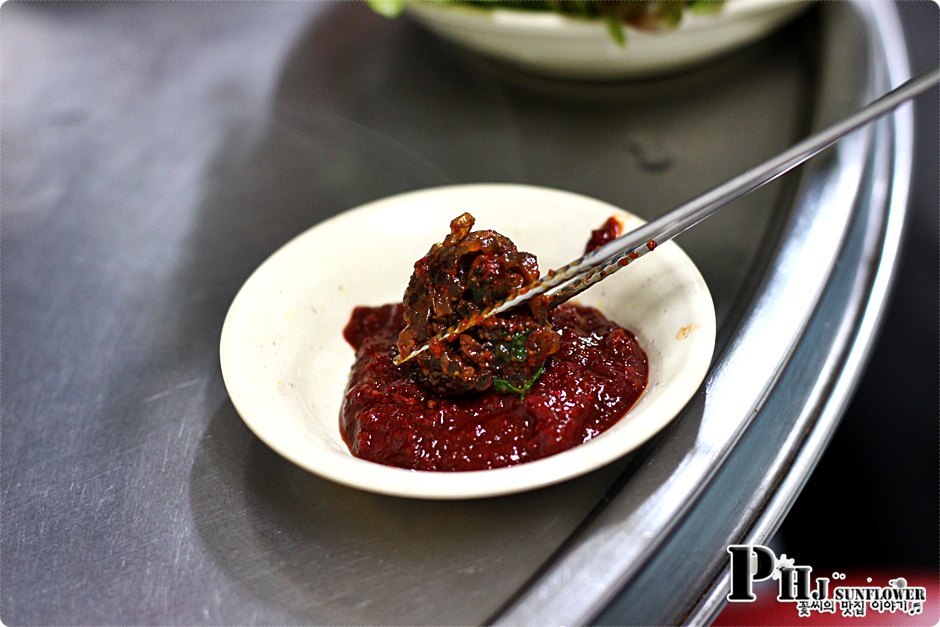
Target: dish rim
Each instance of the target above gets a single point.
(370, 476)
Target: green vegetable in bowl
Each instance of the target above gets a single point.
(388, 8)
(641, 14)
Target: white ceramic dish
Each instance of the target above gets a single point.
(286, 364)
(565, 47)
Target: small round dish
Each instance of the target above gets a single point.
(286, 364)
(556, 45)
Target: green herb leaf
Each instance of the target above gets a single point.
(388, 8)
(535, 377)
(705, 6)
(517, 348)
(615, 30)
(505, 387)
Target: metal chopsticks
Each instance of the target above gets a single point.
(578, 275)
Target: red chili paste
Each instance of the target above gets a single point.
(608, 232)
(388, 417)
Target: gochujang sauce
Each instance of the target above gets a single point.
(524, 385)
(608, 232)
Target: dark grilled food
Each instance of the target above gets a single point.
(457, 279)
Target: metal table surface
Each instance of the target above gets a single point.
(155, 153)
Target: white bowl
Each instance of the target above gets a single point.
(566, 47)
(286, 364)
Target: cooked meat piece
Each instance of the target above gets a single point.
(458, 278)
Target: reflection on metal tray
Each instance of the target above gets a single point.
(181, 143)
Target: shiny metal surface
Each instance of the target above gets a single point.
(762, 475)
(848, 317)
(660, 493)
(155, 153)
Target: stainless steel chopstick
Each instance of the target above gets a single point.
(576, 276)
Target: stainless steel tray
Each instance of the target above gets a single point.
(156, 153)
